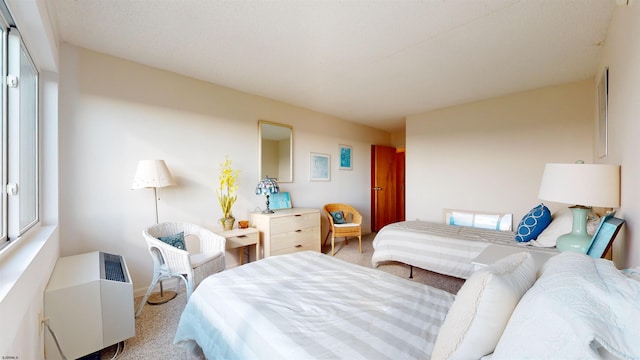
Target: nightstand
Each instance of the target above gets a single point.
(494, 253)
(241, 239)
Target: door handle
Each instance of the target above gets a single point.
(377, 188)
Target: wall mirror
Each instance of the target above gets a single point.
(275, 151)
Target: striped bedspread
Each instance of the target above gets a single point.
(308, 305)
(437, 247)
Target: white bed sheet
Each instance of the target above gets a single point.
(308, 305)
(441, 248)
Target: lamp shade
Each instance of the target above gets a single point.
(152, 174)
(267, 186)
(581, 184)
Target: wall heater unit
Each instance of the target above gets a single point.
(89, 303)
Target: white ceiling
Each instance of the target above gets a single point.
(373, 62)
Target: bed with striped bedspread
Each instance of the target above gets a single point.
(441, 248)
(308, 305)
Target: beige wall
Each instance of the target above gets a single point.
(114, 113)
(398, 139)
(490, 155)
(622, 56)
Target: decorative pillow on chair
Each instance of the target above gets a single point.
(176, 240)
(533, 223)
(482, 308)
(338, 217)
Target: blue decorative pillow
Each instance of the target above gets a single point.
(338, 217)
(176, 240)
(533, 223)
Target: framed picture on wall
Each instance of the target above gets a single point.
(319, 169)
(603, 121)
(346, 157)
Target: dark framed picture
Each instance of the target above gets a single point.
(346, 157)
(604, 235)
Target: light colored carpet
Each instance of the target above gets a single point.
(157, 324)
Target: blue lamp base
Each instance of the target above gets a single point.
(577, 240)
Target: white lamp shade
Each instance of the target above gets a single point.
(581, 184)
(152, 174)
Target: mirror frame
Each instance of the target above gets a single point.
(261, 123)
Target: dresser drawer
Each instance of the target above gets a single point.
(292, 223)
(304, 237)
(301, 247)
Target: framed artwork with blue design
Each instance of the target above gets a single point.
(346, 157)
(319, 169)
(604, 235)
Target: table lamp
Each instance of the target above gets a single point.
(267, 186)
(584, 185)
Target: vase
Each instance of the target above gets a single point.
(227, 223)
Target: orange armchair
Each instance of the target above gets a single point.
(351, 227)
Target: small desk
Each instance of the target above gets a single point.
(494, 253)
(240, 239)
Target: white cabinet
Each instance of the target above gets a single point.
(288, 230)
(89, 303)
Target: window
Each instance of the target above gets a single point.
(19, 130)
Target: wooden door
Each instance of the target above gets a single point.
(383, 186)
(400, 167)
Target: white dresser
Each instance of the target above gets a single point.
(288, 230)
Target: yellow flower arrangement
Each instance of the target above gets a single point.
(228, 186)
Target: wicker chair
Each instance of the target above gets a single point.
(169, 261)
(352, 228)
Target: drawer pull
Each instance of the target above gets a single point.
(297, 215)
(298, 230)
(242, 236)
(298, 246)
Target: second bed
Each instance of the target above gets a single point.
(441, 248)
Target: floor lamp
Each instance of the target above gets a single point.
(154, 174)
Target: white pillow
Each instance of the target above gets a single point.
(482, 308)
(561, 223)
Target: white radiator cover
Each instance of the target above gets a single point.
(86, 311)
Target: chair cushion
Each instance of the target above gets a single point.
(338, 217)
(202, 258)
(347, 225)
(176, 240)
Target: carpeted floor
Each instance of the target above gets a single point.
(156, 325)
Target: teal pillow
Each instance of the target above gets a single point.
(338, 217)
(176, 240)
(533, 223)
